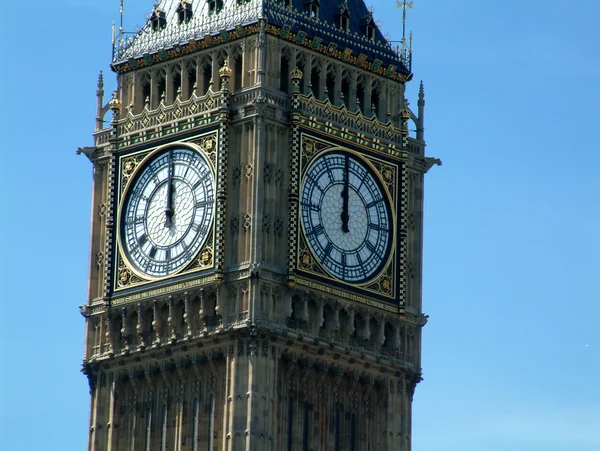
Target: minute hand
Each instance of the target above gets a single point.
(169, 208)
(345, 196)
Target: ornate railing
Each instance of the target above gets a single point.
(355, 120)
(232, 15)
(162, 118)
(148, 41)
(285, 15)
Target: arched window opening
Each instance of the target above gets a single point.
(191, 82)
(145, 93)
(313, 9)
(300, 65)
(375, 102)
(284, 77)
(184, 11)
(176, 85)
(346, 91)
(237, 73)
(360, 98)
(158, 19)
(215, 6)
(206, 78)
(370, 33)
(315, 81)
(161, 87)
(330, 85)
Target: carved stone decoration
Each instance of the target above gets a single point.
(279, 176)
(236, 173)
(247, 222)
(268, 173)
(249, 171)
(266, 223)
(234, 224)
(99, 259)
(128, 167)
(278, 227)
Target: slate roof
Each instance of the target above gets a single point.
(147, 41)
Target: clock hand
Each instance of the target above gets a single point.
(169, 209)
(345, 196)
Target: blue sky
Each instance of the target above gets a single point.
(511, 354)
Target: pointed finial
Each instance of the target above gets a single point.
(147, 102)
(421, 90)
(100, 90)
(179, 92)
(162, 97)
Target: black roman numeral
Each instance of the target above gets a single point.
(153, 252)
(377, 227)
(370, 246)
(316, 230)
(375, 202)
(142, 239)
(203, 203)
(202, 180)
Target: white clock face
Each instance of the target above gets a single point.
(346, 217)
(167, 212)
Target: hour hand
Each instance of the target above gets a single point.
(169, 209)
(345, 215)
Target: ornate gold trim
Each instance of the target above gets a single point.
(385, 282)
(125, 275)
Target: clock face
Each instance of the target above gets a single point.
(167, 212)
(346, 217)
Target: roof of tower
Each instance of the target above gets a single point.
(318, 24)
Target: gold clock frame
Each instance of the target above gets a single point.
(384, 290)
(125, 275)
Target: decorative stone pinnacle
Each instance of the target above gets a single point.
(225, 71)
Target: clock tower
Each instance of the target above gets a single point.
(256, 234)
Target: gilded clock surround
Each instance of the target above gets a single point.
(126, 276)
(381, 291)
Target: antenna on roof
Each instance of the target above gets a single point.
(406, 50)
(121, 9)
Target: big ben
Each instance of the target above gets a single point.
(256, 238)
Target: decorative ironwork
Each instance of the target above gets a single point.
(201, 24)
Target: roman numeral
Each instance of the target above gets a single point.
(375, 202)
(370, 246)
(328, 249)
(168, 254)
(204, 203)
(142, 239)
(202, 180)
(153, 252)
(377, 227)
(316, 230)
(310, 206)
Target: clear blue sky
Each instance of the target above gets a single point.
(511, 354)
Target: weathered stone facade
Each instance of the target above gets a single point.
(234, 353)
